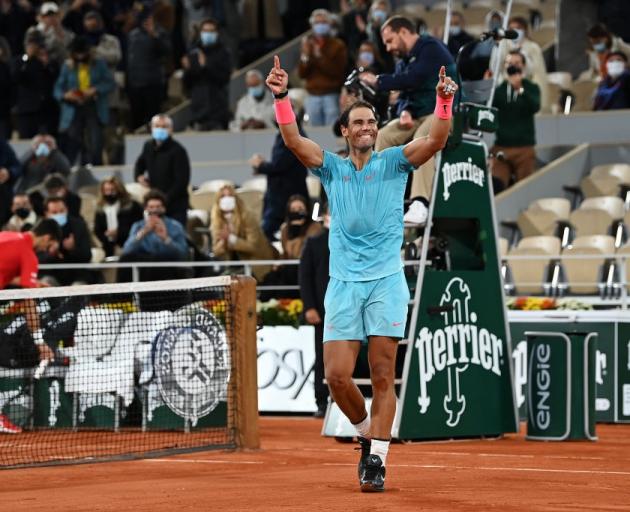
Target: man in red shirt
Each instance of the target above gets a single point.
(18, 268)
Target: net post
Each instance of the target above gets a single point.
(243, 298)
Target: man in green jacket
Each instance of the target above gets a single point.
(518, 100)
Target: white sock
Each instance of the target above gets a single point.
(363, 427)
(380, 448)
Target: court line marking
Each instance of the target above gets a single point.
(205, 461)
(489, 468)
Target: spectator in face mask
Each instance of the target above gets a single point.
(115, 213)
(613, 91)
(354, 25)
(236, 234)
(23, 218)
(164, 165)
(55, 185)
(75, 244)
(323, 68)
(297, 227)
(602, 42)
(207, 68)
(536, 69)
(457, 36)
(55, 37)
(379, 11)
(255, 109)
(42, 160)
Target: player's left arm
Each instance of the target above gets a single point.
(420, 150)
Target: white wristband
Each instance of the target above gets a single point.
(38, 337)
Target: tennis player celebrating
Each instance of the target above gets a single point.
(367, 296)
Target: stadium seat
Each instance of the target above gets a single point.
(475, 15)
(548, 9)
(88, 208)
(202, 200)
(542, 216)
(562, 79)
(543, 36)
(253, 201)
(606, 180)
(214, 185)
(259, 183)
(504, 245)
(488, 5)
(586, 276)
(530, 276)
(597, 216)
(136, 191)
(584, 91)
(314, 187)
(625, 251)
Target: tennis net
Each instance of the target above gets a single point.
(139, 369)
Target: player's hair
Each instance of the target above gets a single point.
(398, 22)
(48, 227)
(521, 21)
(520, 54)
(154, 194)
(618, 54)
(54, 199)
(345, 115)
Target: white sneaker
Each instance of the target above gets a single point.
(417, 213)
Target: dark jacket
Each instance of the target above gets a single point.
(613, 94)
(36, 170)
(313, 273)
(416, 76)
(285, 176)
(516, 114)
(145, 58)
(34, 85)
(128, 213)
(168, 169)
(208, 85)
(9, 161)
(456, 42)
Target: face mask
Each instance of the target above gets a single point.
(521, 34)
(513, 70)
(209, 38)
(42, 150)
(22, 213)
(367, 57)
(379, 16)
(227, 203)
(455, 30)
(60, 218)
(599, 47)
(321, 29)
(159, 134)
(110, 198)
(257, 91)
(615, 68)
(297, 216)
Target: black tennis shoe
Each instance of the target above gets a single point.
(366, 444)
(373, 476)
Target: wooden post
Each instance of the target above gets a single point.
(245, 403)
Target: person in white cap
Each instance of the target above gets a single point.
(56, 37)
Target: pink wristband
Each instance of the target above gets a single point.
(443, 108)
(284, 111)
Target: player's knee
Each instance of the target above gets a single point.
(382, 377)
(338, 380)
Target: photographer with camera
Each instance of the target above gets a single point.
(421, 57)
(518, 100)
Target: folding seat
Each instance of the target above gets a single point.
(598, 216)
(532, 276)
(545, 217)
(607, 180)
(588, 275)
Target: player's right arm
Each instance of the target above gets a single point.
(306, 151)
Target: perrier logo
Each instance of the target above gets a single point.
(453, 349)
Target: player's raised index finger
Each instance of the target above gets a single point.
(276, 62)
(442, 73)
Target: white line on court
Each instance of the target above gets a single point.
(482, 468)
(205, 461)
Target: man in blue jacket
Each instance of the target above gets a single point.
(82, 90)
(421, 57)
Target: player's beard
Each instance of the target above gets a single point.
(362, 144)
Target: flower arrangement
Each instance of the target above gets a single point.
(545, 303)
(280, 312)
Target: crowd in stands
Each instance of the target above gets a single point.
(63, 63)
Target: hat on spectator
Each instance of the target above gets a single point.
(48, 8)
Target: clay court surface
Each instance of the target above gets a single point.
(297, 469)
